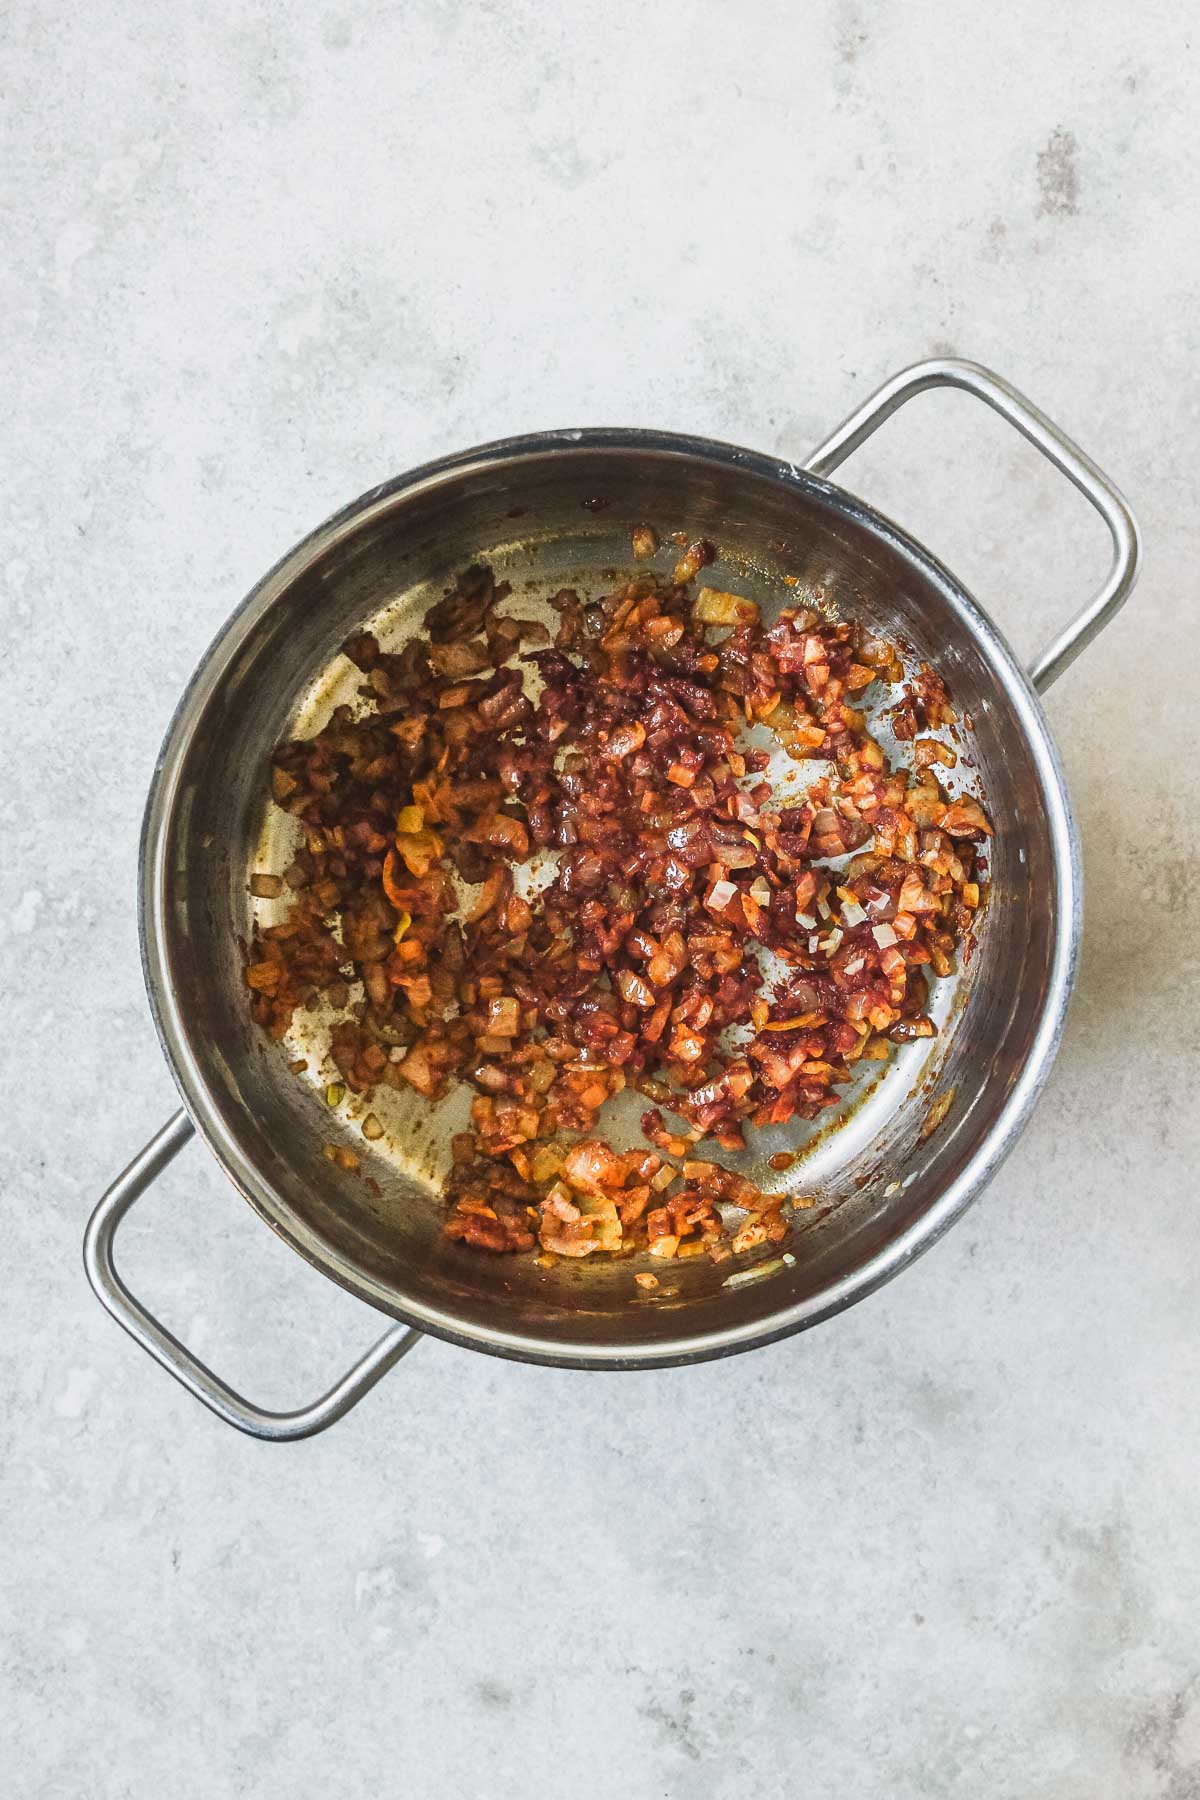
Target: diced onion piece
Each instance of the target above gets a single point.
(964, 817)
(560, 1201)
(720, 894)
(547, 1161)
(692, 561)
(504, 1017)
(420, 849)
(741, 1277)
(626, 739)
(852, 913)
(634, 990)
(715, 607)
(417, 1071)
(884, 936)
(489, 893)
(605, 1222)
(592, 1167)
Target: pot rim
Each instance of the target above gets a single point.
(175, 1035)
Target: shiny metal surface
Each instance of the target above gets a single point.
(887, 1189)
(1055, 446)
(176, 1358)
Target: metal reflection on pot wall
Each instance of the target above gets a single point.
(892, 1184)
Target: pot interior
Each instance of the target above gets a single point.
(550, 513)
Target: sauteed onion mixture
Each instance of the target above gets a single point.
(553, 867)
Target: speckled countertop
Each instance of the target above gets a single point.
(260, 257)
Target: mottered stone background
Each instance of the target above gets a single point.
(257, 258)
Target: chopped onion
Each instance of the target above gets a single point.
(625, 739)
(694, 558)
(504, 1017)
(615, 758)
(634, 990)
(715, 607)
(741, 1277)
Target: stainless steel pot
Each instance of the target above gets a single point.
(889, 1185)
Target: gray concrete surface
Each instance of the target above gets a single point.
(257, 258)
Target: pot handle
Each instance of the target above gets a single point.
(179, 1361)
(1054, 444)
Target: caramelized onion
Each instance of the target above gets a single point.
(631, 862)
